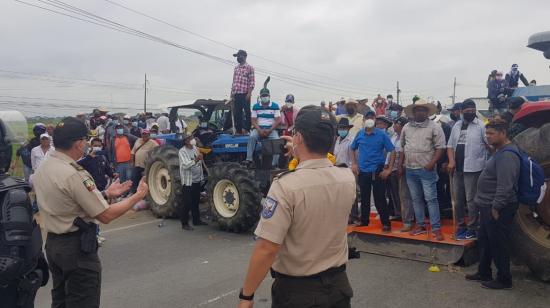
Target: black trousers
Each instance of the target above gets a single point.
(443, 190)
(242, 113)
(191, 199)
(494, 242)
(137, 174)
(76, 276)
(333, 291)
(371, 181)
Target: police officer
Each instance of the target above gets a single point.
(302, 232)
(70, 205)
(23, 267)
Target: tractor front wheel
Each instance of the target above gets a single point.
(234, 196)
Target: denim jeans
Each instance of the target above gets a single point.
(252, 142)
(124, 171)
(423, 186)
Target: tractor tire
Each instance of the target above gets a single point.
(234, 197)
(162, 169)
(531, 242)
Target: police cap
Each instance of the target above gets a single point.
(69, 129)
(315, 120)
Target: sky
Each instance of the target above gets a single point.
(317, 50)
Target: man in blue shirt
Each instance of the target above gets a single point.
(368, 165)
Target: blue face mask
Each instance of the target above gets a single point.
(120, 131)
(394, 114)
(342, 133)
(134, 124)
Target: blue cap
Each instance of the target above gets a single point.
(455, 107)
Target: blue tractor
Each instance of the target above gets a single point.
(234, 190)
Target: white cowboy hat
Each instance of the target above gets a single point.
(432, 109)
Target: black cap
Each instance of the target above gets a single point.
(455, 107)
(240, 53)
(315, 120)
(402, 121)
(369, 113)
(344, 122)
(70, 129)
(515, 102)
(385, 119)
(468, 104)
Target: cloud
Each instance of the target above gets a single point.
(364, 45)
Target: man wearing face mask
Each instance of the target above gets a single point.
(497, 94)
(141, 149)
(455, 112)
(467, 152)
(370, 147)
(423, 143)
(305, 214)
(514, 76)
(97, 165)
(122, 155)
(289, 113)
(241, 92)
(266, 117)
(379, 104)
(70, 206)
(354, 117)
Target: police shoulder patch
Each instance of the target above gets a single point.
(77, 166)
(89, 184)
(269, 207)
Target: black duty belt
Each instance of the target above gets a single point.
(64, 235)
(326, 273)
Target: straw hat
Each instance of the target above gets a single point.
(432, 109)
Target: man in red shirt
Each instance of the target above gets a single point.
(380, 104)
(288, 114)
(123, 154)
(241, 91)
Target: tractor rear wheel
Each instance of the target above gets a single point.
(531, 238)
(163, 178)
(234, 196)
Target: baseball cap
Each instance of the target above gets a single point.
(70, 128)
(289, 98)
(44, 136)
(402, 121)
(455, 107)
(240, 53)
(369, 113)
(468, 104)
(315, 120)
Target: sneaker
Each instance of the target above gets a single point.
(471, 235)
(496, 285)
(418, 231)
(386, 229)
(460, 235)
(187, 227)
(477, 277)
(406, 228)
(437, 235)
(395, 218)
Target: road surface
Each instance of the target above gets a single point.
(145, 265)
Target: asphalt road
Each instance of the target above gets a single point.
(145, 265)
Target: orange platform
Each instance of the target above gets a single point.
(424, 247)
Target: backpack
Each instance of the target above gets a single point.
(531, 184)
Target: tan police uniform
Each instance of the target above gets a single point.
(65, 191)
(306, 212)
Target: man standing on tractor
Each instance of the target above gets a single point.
(289, 112)
(355, 118)
(241, 92)
(302, 234)
(266, 117)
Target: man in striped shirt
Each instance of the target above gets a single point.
(266, 117)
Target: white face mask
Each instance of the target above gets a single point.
(193, 142)
(289, 105)
(265, 99)
(96, 149)
(369, 123)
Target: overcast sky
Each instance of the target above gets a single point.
(349, 48)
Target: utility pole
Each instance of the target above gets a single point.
(145, 96)
(454, 91)
(398, 91)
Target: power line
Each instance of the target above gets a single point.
(228, 46)
(103, 22)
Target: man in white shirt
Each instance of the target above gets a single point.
(342, 150)
(164, 124)
(39, 153)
